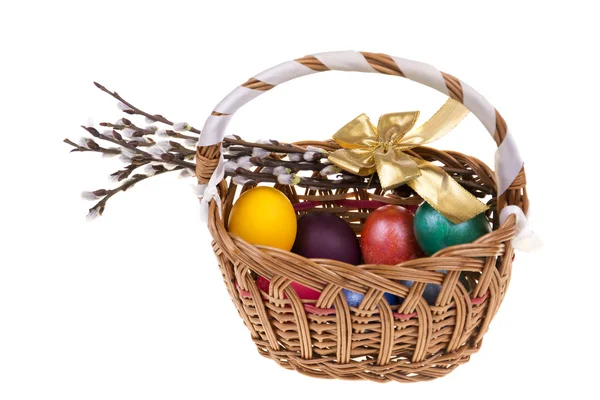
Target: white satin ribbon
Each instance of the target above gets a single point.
(208, 192)
(525, 239)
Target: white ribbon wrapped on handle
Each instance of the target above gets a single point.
(525, 239)
(210, 191)
(206, 194)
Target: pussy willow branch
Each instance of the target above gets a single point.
(317, 166)
(352, 182)
(305, 182)
(136, 111)
(99, 206)
(139, 132)
(121, 142)
(275, 148)
(294, 166)
(244, 148)
(120, 174)
(138, 159)
(98, 149)
(165, 158)
(125, 172)
(175, 154)
(179, 148)
(311, 166)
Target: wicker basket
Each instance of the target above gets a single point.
(326, 338)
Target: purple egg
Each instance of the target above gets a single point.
(324, 235)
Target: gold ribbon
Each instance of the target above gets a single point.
(366, 150)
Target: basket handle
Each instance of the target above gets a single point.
(508, 162)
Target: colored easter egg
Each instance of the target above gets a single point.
(431, 292)
(354, 298)
(304, 292)
(388, 238)
(324, 235)
(435, 232)
(465, 281)
(264, 216)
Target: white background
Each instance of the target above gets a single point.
(132, 306)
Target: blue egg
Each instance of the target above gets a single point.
(354, 298)
(431, 292)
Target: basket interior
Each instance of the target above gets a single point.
(475, 176)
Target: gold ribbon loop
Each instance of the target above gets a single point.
(366, 150)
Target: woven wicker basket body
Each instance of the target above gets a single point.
(413, 341)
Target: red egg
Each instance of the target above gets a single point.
(305, 293)
(387, 236)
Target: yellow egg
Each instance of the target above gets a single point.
(264, 216)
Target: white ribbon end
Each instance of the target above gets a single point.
(199, 189)
(207, 193)
(525, 239)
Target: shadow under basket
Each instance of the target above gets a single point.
(326, 338)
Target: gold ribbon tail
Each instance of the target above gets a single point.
(444, 194)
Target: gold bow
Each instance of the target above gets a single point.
(366, 150)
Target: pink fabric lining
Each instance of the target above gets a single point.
(331, 311)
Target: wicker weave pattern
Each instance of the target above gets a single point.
(327, 338)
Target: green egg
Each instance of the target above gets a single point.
(434, 232)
